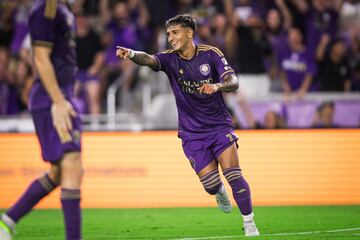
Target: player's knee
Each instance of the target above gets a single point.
(234, 177)
(211, 182)
(54, 174)
(71, 165)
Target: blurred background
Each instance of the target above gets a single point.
(298, 63)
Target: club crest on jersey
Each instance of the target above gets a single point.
(204, 69)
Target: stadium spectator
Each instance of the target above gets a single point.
(198, 74)
(4, 80)
(121, 30)
(252, 47)
(355, 81)
(57, 125)
(324, 116)
(20, 23)
(90, 58)
(334, 71)
(6, 22)
(21, 80)
(278, 22)
(297, 66)
(320, 18)
(271, 119)
(223, 36)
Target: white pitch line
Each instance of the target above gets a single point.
(274, 234)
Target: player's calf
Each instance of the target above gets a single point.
(242, 196)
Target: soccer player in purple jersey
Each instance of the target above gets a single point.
(198, 74)
(58, 127)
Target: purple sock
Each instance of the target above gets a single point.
(240, 188)
(38, 189)
(70, 201)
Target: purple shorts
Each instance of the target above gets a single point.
(201, 151)
(84, 77)
(52, 149)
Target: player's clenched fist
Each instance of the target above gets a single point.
(208, 88)
(124, 53)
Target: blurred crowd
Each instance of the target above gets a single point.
(288, 46)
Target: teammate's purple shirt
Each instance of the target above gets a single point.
(56, 28)
(198, 113)
(296, 65)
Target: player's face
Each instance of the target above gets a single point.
(178, 37)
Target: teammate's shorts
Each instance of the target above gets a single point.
(52, 149)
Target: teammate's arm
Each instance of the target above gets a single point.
(61, 109)
(140, 58)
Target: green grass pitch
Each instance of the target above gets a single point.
(280, 223)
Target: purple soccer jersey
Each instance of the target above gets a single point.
(296, 66)
(53, 25)
(199, 114)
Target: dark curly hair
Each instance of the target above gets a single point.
(185, 20)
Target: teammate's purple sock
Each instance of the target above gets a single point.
(38, 189)
(240, 188)
(70, 201)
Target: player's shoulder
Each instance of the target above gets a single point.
(46, 8)
(167, 52)
(208, 49)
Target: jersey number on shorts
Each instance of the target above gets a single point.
(230, 136)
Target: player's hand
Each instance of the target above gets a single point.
(122, 52)
(61, 113)
(208, 88)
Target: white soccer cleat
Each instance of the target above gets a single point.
(251, 229)
(5, 232)
(223, 201)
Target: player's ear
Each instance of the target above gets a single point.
(190, 33)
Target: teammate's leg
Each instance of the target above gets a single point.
(37, 190)
(71, 176)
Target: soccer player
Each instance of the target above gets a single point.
(198, 74)
(57, 124)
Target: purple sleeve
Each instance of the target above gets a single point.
(163, 60)
(221, 64)
(41, 28)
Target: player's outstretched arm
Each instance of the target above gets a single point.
(230, 84)
(138, 57)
